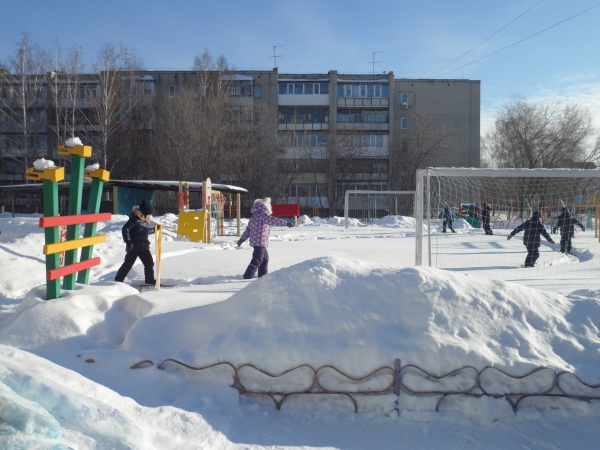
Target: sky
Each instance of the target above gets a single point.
(415, 39)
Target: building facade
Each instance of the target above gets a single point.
(333, 131)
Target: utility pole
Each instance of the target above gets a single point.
(375, 62)
(276, 56)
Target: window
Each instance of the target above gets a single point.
(303, 115)
(404, 123)
(257, 91)
(363, 90)
(373, 140)
(173, 90)
(284, 140)
(311, 140)
(361, 116)
(303, 88)
(234, 91)
(404, 97)
(302, 190)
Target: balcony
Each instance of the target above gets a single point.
(303, 127)
(343, 102)
(357, 126)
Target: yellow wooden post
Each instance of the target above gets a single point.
(238, 213)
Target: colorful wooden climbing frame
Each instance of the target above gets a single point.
(52, 221)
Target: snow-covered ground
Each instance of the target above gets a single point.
(350, 299)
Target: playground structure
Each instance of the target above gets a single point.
(51, 222)
(591, 202)
(286, 210)
(209, 222)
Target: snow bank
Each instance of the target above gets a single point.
(47, 406)
(358, 316)
(339, 221)
(396, 222)
(93, 316)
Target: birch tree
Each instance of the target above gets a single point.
(23, 103)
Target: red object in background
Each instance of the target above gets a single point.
(291, 210)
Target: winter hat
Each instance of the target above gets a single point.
(536, 213)
(146, 208)
(266, 202)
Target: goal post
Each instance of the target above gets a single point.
(511, 196)
(369, 206)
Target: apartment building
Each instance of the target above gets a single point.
(334, 131)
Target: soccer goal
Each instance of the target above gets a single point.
(370, 206)
(511, 196)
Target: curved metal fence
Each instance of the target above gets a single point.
(467, 381)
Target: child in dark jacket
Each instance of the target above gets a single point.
(135, 234)
(259, 230)
(566, 223)
(532, 229)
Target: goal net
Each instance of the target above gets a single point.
(488, 204)
(371, 206)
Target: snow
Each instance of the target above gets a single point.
(72, 142)
(92, 167)
(42, 163)
(348, 298)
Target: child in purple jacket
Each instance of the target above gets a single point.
(259, 229)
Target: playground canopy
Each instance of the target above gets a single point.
(155, 185)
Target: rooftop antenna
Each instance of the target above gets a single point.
(375, 62)
(276, 56)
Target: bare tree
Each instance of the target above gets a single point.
(541, 135)
(66, 95)
(427, 140)
(116, 73)
(23, 103)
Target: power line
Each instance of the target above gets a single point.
(491, 36)
(524, 39)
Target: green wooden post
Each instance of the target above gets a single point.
(83, 276)
(53, 260)
(75, 194)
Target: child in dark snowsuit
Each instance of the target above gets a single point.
(448, 218)
(566, 223)
(259, 230)
(135, 234)
(485, 218)
(531, 237)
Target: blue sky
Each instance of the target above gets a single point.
(416, 39)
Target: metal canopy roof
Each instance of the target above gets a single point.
(157, 185)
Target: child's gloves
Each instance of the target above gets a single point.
(509, 237)
(290, 224)
(240, 242)
(129, 246)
